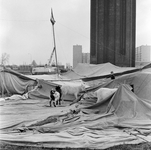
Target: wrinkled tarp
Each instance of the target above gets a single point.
(147, 66)
(122, 118)
(44, 92)
(47, 86)
(50, 77)
(86, 71)
(13, 82)
(16, 83)
(16, 97)
(141, 82)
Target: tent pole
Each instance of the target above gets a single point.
(55, 49)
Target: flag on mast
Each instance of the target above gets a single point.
(52, 18)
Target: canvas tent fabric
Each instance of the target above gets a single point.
(13, 82)
(122, 118)
(84, 71)
(50, 77)
(43, 92)
(141, 82)
(18, 84)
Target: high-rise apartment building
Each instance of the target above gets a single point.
(143, 53)
(77, 55)
(86, 58)
(113, 32)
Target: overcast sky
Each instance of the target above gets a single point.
(26, 31)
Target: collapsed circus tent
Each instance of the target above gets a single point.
(91, 71)
(18, 84)
(123, 116)
(140, 81)
(13, 82)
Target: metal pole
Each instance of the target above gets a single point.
(55, 48)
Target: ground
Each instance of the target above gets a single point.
(142, 146)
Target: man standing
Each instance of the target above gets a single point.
(112, 75)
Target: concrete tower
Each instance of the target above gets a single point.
(77, 55)
(113, 32)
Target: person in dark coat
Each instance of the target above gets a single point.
(58, 89)
(52, 98)
(112, 75)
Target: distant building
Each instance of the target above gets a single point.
(34, 64)
(86, 58)
(15, 67)
(143, 55)
(77, 55)
(25, 69)
(68, 66)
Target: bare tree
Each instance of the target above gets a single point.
(4, 59)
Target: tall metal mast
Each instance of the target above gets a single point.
(53, 22)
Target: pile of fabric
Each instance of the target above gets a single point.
(110, 113)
